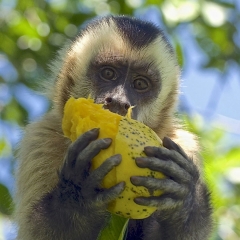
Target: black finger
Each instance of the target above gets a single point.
(169, 168)
(85, 157)
(168, 186)
(110, 194)
(166, 154)
(162, 203)
(77, 146)
(97, 175)
(171, 145)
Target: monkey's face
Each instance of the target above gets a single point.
(119, 82)
(123, 62)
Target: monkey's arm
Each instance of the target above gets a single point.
(184, 210)
(75, 207)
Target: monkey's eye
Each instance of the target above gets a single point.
(108, 74)
(141, 84)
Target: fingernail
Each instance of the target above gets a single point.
(134, 180)
(168, 143)
(141, 161)
(95, 130)
(121, 185)
(117, 158)
(107, 140)
(138, 200)
(138, 159)
(168, 140)
(148, 149)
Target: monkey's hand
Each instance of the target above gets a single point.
(82, 185)
(183, 208)
(76, 208)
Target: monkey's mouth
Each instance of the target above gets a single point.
(118, 106)
(114, 105)
(118, 110)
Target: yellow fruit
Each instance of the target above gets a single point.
(129, 139)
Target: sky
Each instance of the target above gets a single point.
(199, 87)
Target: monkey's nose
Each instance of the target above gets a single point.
(116, 105)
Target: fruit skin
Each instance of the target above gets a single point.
(129, 139)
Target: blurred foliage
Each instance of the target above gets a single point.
(222, 174)
(32, 31)
(5, 200)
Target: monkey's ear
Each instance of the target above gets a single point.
(171, 145)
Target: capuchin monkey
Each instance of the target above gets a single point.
(119, 62)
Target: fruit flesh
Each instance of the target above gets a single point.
(129, 139)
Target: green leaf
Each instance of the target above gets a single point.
(115, 230)
(5, 200)
(123, 232)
